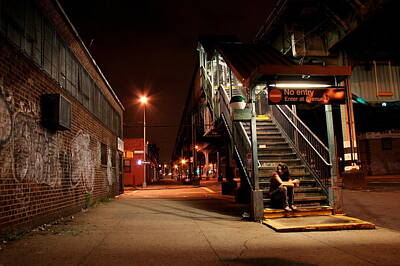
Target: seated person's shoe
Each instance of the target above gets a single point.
(293, 207)
(287, 209)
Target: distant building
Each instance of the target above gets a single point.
(60, 120)
(133, 162)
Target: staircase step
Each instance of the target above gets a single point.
(269, 134)
(305, 184)
(263, 132)
(265, 150)
(271, 165)
(263, 122)
(277, 156)
(303, 201)
(272, 129)
(269, 139)
(266, 127)
(295, 173)
(310, 187)
(263, 118)
(289, 162)
(269, 144)
(303, 190)
(300, 212)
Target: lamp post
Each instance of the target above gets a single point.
(143, 100)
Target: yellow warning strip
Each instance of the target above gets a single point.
(263, 117)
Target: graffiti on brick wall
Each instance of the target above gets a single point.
(36, 152)
(82, 161)
(28, 151)
(109, 167)
(5, 121)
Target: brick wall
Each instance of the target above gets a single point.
(46, 174)
(381, 155)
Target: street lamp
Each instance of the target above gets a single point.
(143, 100)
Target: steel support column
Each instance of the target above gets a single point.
(257, 203)
(335, 196)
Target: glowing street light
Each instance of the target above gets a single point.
(144, 100)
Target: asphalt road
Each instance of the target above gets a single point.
(378, 202)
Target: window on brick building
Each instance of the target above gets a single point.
(47, 46)
(55, 58)
(127, 165)
(62, 67)
(103, 154)
(113, 158)
(386, 144)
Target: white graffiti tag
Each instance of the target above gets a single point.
(5, 122)
(82, 162)
(35, 153)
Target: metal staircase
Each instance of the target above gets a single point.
(273, 148)
(283, 138)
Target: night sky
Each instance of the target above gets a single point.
(150, 46)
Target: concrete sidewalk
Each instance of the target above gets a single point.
(141, 229)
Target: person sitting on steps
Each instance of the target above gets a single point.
(281, 189)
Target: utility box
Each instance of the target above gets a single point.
(56, 112)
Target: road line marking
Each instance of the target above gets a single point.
(208, 190)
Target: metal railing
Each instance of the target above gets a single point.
(237, 134)
(220, 109)
(224, 108)
(312, 151)
(207, 87)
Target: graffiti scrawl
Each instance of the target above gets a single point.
(82, 162)
(5, 122)
(35, 153)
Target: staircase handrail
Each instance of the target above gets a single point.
(226, 114)
(309, 131)
(313, 153)
(245, 133)
(207, 87)
(238, 154)
(219, 107)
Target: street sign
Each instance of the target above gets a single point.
(330, 95)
